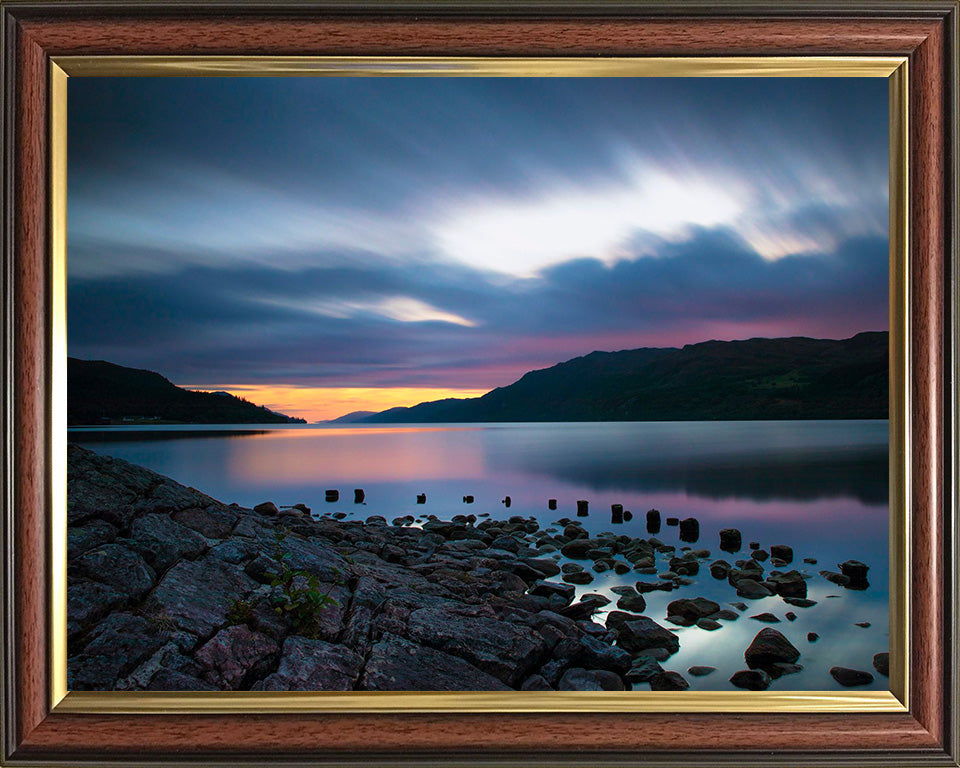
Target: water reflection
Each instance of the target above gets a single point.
(820, 487)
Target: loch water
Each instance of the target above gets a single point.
(818, 486)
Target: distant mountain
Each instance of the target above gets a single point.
(104, 393)
(349, 418)
(789, 378)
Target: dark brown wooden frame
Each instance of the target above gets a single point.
(926, 32)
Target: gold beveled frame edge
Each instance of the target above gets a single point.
(127, 702)
(446, 66)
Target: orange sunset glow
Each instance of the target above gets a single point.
(325, 403)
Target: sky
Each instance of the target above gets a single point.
(330, 244)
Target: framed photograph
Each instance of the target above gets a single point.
(470, 384)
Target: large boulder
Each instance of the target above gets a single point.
(162, 541)
(313, 665)
(212, 522)
(116, 646)
(235, 656)
(197, 594)
(117, 567)
(642, 633)
(85, 537)
(578, 679)
(693, 609)
(88, 602)
(768, 647)
(397, 664)
(506, 651)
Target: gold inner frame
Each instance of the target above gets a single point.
(232, 702)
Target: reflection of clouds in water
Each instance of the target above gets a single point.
(743, 460)
(493, 461)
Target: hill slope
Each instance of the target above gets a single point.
(789, 378)
(99, 392)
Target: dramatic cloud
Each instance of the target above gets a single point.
(454, 233)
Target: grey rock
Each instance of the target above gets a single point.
(643, 669)
(799, 602)
(835, 578)
(696, 608)
(213, 523)
(752, 590)
(117, 645)
(88, 602)
(593, 653)
(668, 681)
(881, 663)
(578, 549)
(314, 665)
(162, 541)
(577, 679)
(850, 678)
(536, 683)
(642, 633)
(701, 671)
(768, 618)
(730, 540)
(235, 655)
(235, 550)
(118, 567)
(781, 668)
(768, 647)
(396, 664)
(782, 552)
(93, 534)
(506, 651)
(709, 624)
(634, 603)
(170, 680)
(751, 679)
(197, 595)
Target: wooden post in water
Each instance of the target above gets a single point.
(551, 504)
(358, 495)
(332, 495)
(616, 514)
(582, 507)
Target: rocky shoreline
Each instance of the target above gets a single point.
(169, 589)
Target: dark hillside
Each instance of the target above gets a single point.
(99, 392)
(789, 378)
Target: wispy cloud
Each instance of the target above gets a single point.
(454, 233)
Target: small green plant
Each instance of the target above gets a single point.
(241, 612)
(300, 598)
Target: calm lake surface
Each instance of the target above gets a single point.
(819, 486)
